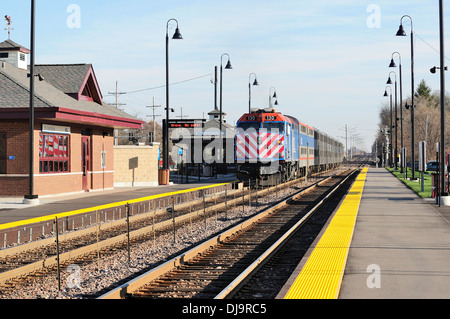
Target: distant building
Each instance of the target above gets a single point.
(204, 148)
(73, 129)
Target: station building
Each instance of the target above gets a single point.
(205, 151)
(73, 128)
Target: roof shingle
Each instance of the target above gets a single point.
(14, 93)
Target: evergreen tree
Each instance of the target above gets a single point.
(423, 90)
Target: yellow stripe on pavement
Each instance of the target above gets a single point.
(321, 276)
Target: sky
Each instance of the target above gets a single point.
(327, 60)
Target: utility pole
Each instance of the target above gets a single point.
(117, 93)
(182, 117)
(346, 134)
(347, 131)
(154, 116)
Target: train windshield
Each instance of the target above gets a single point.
(248, 126)
(272, 127)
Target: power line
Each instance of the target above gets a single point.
(162, 86)
(429, 45)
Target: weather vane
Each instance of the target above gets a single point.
(8, 24)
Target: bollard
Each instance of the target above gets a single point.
(256, 201)
(58, 269)
(173, 219)
(153, 224)
(190, 208)
(249, 193)
(204, 208)
(276, 187)
(128, 232)
(226, 204)
(98, 231)
(243, 204)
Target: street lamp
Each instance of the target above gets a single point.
(176, 36)
(390, 127)
(401, 32)
(31, 197)
(227, 67)
(255, 83)
(389, 81)
(392, 65)
(443, 68)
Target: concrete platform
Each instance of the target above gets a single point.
(13, 210)
(401, 244)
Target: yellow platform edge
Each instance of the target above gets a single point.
(100, 207)
(321, 276)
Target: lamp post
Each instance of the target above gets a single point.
(176, 36)
(401, 32)
(255, 83)
(443, 68)
(390, 127)
(442, 61)
(392, 65)
(227, 67)
(31, 197)
(389, 81)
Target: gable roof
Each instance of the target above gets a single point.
(14, 95)
(66, 77)
(72, 79)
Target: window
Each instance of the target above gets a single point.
(4, 55)
(22, 57)
(248, 126)
(273, 127)
(2, 153)
(53, 153)
(103, 159)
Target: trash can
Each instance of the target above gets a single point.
(163, 177)
(434, 185)
(207, 171)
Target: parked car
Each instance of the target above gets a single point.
(433, 166)
(416, 166)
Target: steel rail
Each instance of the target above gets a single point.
(135, 284)
(275, 247)
(50, 261)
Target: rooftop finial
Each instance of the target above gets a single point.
(8, 24)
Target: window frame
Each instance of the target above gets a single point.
(51, 160)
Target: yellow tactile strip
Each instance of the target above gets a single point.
(100, 207)
(321, 276)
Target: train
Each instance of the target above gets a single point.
(272, 147)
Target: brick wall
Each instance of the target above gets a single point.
(136, 166)
(16, 182)
(17, 144)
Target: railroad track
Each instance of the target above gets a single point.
(43, 257)
(216, 267)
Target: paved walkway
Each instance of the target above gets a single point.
(401, 244)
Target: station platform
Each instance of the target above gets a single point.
(399, 248)
(13, 210)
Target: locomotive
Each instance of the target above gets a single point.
(271, 147)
